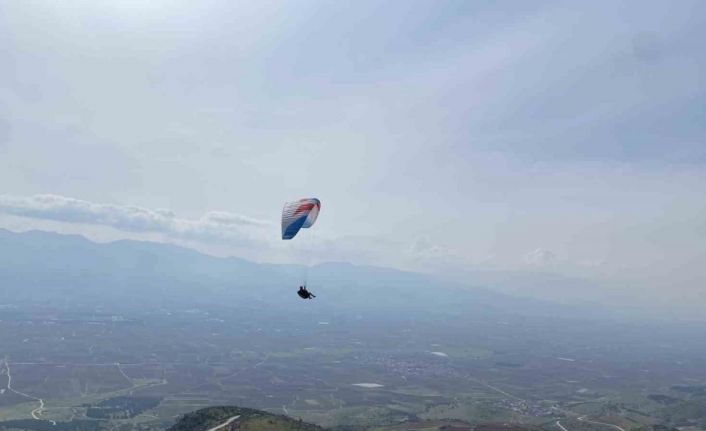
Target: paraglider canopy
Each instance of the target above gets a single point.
(299, 214)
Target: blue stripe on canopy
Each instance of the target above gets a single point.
(294, 227)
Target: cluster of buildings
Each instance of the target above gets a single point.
(527, 408)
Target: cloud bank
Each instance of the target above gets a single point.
(211, 226)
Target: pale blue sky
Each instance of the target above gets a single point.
(567, 137)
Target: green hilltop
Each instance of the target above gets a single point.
(247, 420)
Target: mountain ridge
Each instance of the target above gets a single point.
(50, 264)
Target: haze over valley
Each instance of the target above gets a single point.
(137, 333)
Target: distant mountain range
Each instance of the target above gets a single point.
(48, 268)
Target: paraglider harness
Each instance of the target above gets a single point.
(305, 294)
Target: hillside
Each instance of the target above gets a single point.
(227, 418)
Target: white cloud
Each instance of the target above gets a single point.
(211, 226)
(540, 256)
(424, 248)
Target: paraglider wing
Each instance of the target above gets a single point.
(299, 214)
